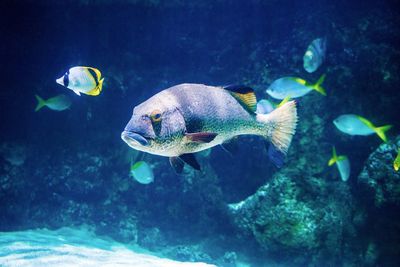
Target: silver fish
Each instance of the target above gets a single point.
(315, 55)
(189, 118)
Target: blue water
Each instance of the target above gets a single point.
(71, 168)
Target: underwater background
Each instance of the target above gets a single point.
(70, 169)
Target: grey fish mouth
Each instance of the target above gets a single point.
(128, 136)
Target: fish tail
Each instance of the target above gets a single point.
(283, 102)
(396, 163)
(334, 157)
(318, 85)
(380, 131)
(41, 103)
(100, 86)
(280, 125)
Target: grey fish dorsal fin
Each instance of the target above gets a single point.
(244, 95)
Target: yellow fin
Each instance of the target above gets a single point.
(366, 122)
(248, 99)
(41, 103)
(97, 89)
(380, 131)
(94, 92)
(100, 84)
(318, 85)
(245, 95)
(396, 163)
(300, 81)
(334, 157)
(283, 102)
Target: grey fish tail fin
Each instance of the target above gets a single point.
(280, 125)
(41, 103)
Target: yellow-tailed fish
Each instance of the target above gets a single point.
(58, 103)
(314, 55)
(294, 87)
(189, 118)
(356, 125)
(85, 80)
(342, 163)
(396, 163)
(142, 172)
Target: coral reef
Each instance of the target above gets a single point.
(379, 197)
(287, 221)
(379, 183)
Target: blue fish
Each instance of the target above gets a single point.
(342, 163)
(314, 55)
(356, 125)
(57, 103)
(294, 87)
(142, 172)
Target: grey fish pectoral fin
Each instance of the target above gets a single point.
(203, 137)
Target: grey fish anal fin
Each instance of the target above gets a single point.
(177, 164)
(190, 160)
(244, 95)
(203, 137)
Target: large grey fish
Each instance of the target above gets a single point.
(189, 118)
(315, 55)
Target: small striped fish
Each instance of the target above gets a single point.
(85, 80)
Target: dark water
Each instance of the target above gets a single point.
(72, 167)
